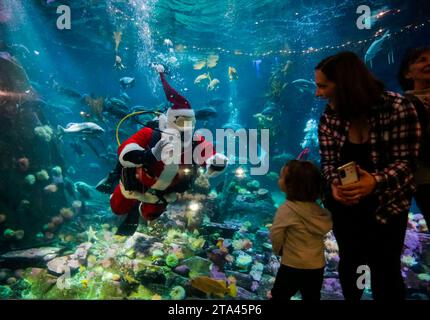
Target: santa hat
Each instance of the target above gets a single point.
(180, 105)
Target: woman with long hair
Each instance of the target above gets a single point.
(379, 131)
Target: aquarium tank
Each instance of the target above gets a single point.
(78, 78)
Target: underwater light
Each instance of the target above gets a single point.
(194, 206)
(187, 171)
(240, 173)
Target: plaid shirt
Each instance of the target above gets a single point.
(394, 137)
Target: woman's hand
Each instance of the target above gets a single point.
(338, 196)
(354, 192)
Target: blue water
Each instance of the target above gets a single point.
(270, 43)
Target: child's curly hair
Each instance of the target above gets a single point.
(303, 181)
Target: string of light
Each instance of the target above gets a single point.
(310, 50)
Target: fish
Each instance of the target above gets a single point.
(304, 154)
(213, 84)
(270, 110)
(116, 107)
(305, 85)
(83, 128)
(209, 286)
(139, 108)
(232, 73)
(127, 82)
(216, 102)
(272, 176)
(116, 103)
(70, 187)
(65, 91)
(206, 113)
(233, 126)
(212, 60)
(84, 189)
(77, 148)
(287, 67)
(376, 47)
(200, 78)
(124, 96)
(118, 113)
(283, 157)
(199, 65)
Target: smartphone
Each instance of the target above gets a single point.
(348, 173)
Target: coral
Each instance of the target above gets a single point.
(172, 260)
(30, 179)
(157, 253)
(253, 185)
(424, 277)
(243, 261)
(177, 293)
(41, 282)
(257, 271)
(19, 234)
(202, 182)
(44, 132)
(8, 233)
(57, 171)
(5, 292)
(23, 164)
(57, 220)
(331, 245)
(409, 261)
(42, 175)
(242, 244)
(196, 243)
(67, 213)
(142, 293)
(197, 197)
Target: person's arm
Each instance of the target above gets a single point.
(328, 150)
(132, 153)
(328, 142)
(405, 137)
(279, 227)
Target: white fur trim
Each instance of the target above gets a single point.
(128, 148)
(172, 113)
(166, 177)
(162, 121)
(216, 160)
(217, 157)
(146, 197)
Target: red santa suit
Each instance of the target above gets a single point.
(160, 182)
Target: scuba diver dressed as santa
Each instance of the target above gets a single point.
(150, 178)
